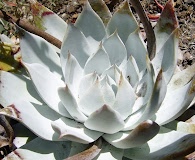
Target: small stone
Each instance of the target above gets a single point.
(70, 9)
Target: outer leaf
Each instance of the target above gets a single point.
(36, 118)
(166, 24)
(182, 99)
(35, 49)
(47, 85)
(166, 58)
(140, 135)
(22, 135)
(40, 149)
(90, 23)
(109, 152)
(101, 9)
(181, 78)
(74, 131)
(58, 30)
(14, 87)
(105, 120)
(88, 154)
(115, 49)
(167, 144)
(136, 47)
(123, 21)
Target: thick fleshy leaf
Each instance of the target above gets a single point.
(77, 148)
(115, 49)
(181, 78)
(101, 9)
(123, 21)
(74, 131)
(97, 62)
(140, 135)
(105, 120)
(40, 149)
(70, 104)
(76, 43)
(72, 74)
(178, 104)
(86, 82)
(47, 85)
(166, 58)
(109, 152)
(14, 87)
(114, 73)
(125, 98)
(90, 23)
(35, 49)
(22, 135)
(37, 118)
(107, 92)
(130, 71)
(152, 106)
(167, 144)
(166, 24)
(85, 152)
(92, 100)
(136, 47)
(58, 30)
(145, 87)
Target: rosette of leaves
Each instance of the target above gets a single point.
(101, 97)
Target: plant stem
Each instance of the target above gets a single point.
(27, 26)
(151, 40)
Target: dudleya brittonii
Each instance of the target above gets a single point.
(102, 85)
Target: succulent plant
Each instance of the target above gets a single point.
(102, 87)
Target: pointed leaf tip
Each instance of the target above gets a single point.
(168, 20)
(140, 135)
(101, 9)
(105, 120)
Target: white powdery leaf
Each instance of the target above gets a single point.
(123, 21)
(105, 120)
(97, 62)
(74, 131)
(47, 85)
(35, 49)
(54, 25)
(75, 43)
(73, 74)
(115, 49)
(90, 23)
(137, 48)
